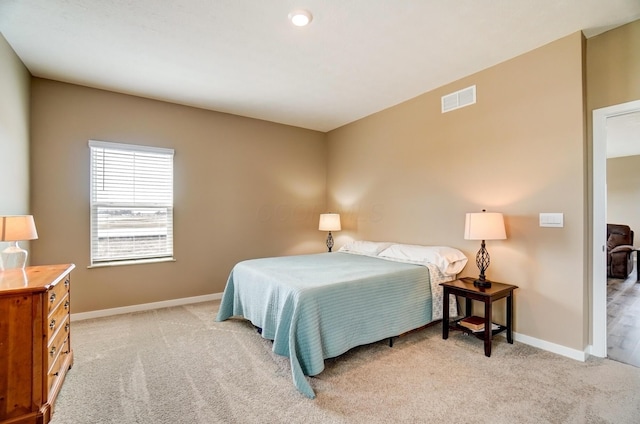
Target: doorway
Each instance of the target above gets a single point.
(599, 216)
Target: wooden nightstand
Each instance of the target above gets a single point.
(464, 288)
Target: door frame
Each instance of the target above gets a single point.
(599, 224)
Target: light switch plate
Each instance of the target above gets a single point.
(551, 219)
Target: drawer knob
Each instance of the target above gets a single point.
(66, 282)
(52, 297)
(55, 374)
(66, 305)
(66, 327)
(52, 351)
(52, 324)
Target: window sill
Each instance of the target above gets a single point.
(131, 262)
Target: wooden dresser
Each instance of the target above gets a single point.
(35, 341)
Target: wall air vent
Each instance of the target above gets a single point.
(461, 98)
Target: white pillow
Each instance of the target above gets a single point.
(450, 261)
(368, 248)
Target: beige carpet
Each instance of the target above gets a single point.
(177, 365)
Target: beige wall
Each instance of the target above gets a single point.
(244, 188)
(14, 133)
(410, 173)
(623, 192)
(613, 67)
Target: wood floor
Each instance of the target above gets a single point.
(623, 320)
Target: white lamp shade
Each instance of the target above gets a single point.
(329, 222)
(484, 226)
(17, 228)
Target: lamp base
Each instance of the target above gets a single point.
(13, 257)
(329, 241)
(482, 283)
(482, 260)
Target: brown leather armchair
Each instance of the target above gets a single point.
(619, 251)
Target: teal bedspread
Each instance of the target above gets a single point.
(319, 306)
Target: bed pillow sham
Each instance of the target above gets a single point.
(450, 261)
(367, 248)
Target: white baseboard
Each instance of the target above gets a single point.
(550, 347)
(144, 307)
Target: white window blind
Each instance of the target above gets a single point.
(131, 203)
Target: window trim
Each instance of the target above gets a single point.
(109, 264)
(93, 205)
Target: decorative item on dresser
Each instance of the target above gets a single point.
(35, 341)
(14, 229)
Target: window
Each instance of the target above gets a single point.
(131, 203)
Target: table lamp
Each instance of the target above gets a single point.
(14, 229)
(484, 226)
(329, 222)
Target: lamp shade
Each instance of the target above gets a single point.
(17, 228)
(329, 222)
(484, 226)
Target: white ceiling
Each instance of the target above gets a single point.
(243, 57)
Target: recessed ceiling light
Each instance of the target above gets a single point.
(300, 17)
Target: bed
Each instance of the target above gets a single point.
(319, 306)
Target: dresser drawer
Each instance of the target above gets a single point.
(58, 292)
(58, 365)
(58, 317)
(58, 344)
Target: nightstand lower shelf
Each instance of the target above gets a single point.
(454, 325)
